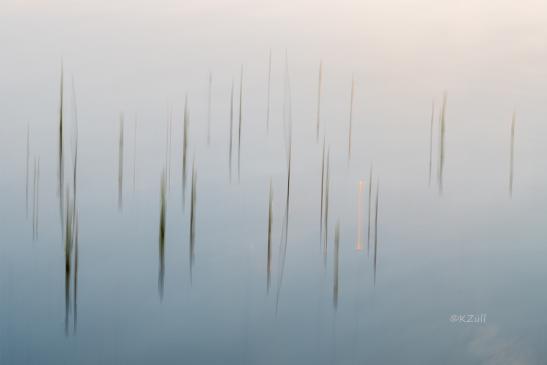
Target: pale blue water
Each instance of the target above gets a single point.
(473, 249)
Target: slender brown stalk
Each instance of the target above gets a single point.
(61, 151)
(209, 99)
(27, 170)
(326, 215)
(376, 231)
(441, 144)
(161, 246)
(75, 224)
(230, 143)
(431, 140)
(192, 218)
(336, 280)
(369, 208)
(34, 198)
(76, 261)
(37, 198)
(75, 143)
(135, 155)
(120, 164)
(319, 91)
(240, 124)
(34, 201)
(285, 228)
(61, 132)
(512, 156)
(269, 255)
(68, 257)
(322, 194)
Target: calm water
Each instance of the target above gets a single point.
(465, 237)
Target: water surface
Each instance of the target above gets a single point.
(445, 223)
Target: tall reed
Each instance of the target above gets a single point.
(369, 208)
(376, 231)
(441, 144)
(336, 280)
(192, 218)
(431, 140)
(75, 202)
(322, 194)
(269, 252)
(135, 155)
(231, 136)
(61, 151)
(319, 91)
(240, 124)
(75, 137)
(68, 248)
(69, 216)
(36, 198)
(209, 100)
(161, 246)
(285, 227)
(120, 164)
(76, 263)
(69, 245)
(75, 215)
(326, 214)
(27, 171)
(287, 105)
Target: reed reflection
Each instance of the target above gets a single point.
(161, 244)
(193, 218)
(120, 164)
